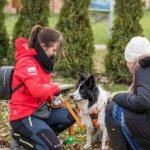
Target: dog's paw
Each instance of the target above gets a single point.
(87, 146)
(106, 148)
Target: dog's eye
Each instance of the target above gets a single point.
(82, 87)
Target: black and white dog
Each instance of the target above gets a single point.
(90, 98)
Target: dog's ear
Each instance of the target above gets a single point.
(90, 82)
(82, 77)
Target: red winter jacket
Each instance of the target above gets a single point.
(37, 87)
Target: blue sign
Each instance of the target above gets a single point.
(100, 5)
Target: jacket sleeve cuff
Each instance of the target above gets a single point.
(120, 98)
(57, 91)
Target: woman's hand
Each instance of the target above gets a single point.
(53, 97)
(57, 100)
(112, 95)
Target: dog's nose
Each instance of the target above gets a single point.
(71, 96)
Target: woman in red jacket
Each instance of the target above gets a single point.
(34, 63)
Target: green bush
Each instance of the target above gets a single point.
(4, 40)
(126, 25)
(75, 26)
(32, 13)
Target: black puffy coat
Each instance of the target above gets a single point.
(137, 106)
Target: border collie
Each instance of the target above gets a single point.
(91, 98)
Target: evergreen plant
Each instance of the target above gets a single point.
(126, 25)
(75, 26)
(4, 40)
(32, 13)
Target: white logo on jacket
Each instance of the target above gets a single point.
(32, 71)
(15, 112)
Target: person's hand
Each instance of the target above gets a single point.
(57, 90)
(113, 94)
(53, 97)
(57, 100)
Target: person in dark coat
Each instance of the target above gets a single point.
(128, 114)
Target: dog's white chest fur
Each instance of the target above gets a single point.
(91, 98)
(86, 119)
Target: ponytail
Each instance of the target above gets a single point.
(46, 35)
(33, 35)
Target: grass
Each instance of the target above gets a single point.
(111, 87)
(145, 23)
(100, 28)
(98, 59)
(10, 22)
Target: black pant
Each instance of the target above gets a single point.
(38, 134)
(115, 133)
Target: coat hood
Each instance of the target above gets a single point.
(22, 49)
(145, 62)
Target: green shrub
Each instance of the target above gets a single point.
(126, 25)
(75, 26)
(4, 40)
(32, 13)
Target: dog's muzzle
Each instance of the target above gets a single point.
(72, 96)
(75, 98)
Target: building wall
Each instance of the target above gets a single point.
(9, 8)
(147, 3)
(55, 6)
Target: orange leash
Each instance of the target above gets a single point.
(71, 130)
(73, 114)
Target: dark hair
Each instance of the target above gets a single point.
(45, 35)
